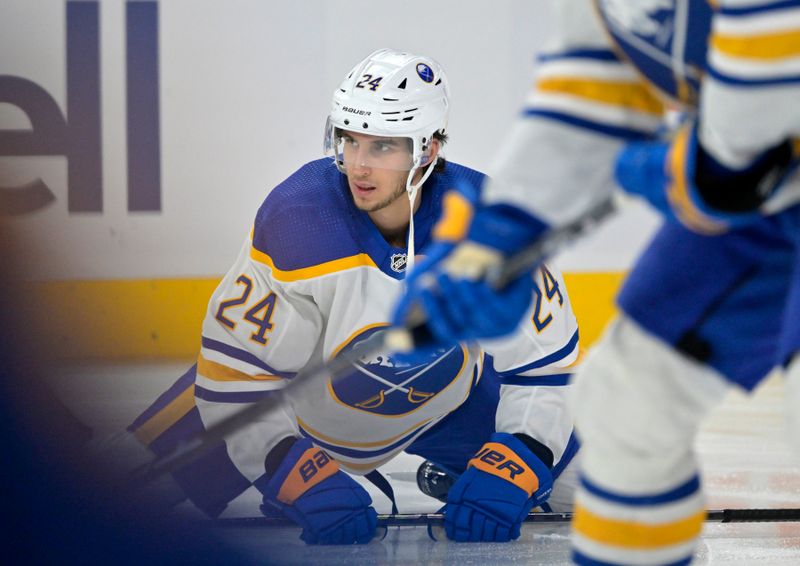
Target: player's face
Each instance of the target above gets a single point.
(377, 169)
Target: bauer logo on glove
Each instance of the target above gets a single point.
(498, 459)
(308, 488)
(491, 499)
(489, 459)
(311, 468)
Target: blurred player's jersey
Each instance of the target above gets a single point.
(665, 41)
(614, 71)
(313, 280)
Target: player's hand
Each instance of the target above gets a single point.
(450, 284)
(309, 489)
(491, 499)
(683, 182)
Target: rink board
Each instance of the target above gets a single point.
(161, 318)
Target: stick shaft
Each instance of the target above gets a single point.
(754, 515)
(555, 241)
(434, 519)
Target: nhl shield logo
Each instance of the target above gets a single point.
(398, 262)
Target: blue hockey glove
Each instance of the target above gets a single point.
(683, 182)
(502, 483)
(449, 284)
(309, 489)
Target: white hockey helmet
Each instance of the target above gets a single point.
(391, 93)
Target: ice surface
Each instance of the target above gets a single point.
(744, 461)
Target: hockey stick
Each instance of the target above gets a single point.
(437, 519)
(416, 333)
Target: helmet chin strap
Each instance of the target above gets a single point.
(411, 191)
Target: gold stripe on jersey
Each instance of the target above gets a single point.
(166, 417)
(765, 46)
(631, 95)
(457, 214)
(678, 191)
(479, 368)
(218, 372)
(325, 268)
(631, 534)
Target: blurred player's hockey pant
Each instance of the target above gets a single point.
(700, 313)
(639, 404)
(793, 401)
(791, 359)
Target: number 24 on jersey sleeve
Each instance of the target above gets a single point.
(259, 314)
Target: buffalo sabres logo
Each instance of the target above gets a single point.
(383, 386)
(398, 262)
(425, 72)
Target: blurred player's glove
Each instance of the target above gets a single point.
(449, 284)
(491, 499)
(309, 488)
(683, 182)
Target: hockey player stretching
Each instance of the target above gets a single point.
(715, 298)
(324, 263)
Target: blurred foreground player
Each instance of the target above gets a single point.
(714, 301)
(58, 499)
(325, 260)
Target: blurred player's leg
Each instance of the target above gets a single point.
(700, 313)
(792, 394)
(639, 404)
(790, 338)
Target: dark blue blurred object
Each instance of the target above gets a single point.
(58, 504)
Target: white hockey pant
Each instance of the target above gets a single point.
(638, 406)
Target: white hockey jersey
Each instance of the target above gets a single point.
(615, 68)
(315, 278)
